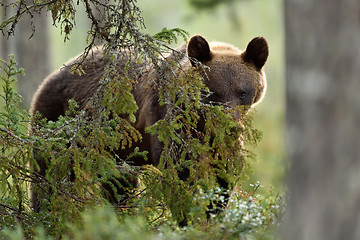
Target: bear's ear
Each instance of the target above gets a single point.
(257, 52)
(198, 49)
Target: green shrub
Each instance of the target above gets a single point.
(248, 216)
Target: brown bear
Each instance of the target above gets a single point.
(234, 77)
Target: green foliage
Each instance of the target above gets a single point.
(11, 116)
(75, 143)
(78, 149)
(249, 216)
(14, 148)
(170, 35)
(102, 223)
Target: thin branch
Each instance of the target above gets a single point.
(21, 11)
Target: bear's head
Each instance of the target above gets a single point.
(234, 77)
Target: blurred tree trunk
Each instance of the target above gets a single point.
(5, 42)
(32, 53)
(323, 119)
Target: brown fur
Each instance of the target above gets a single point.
(235, 77)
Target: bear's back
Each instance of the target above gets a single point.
(51, 98)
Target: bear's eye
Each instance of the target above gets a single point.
(242, 94)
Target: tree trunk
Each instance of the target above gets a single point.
(32, 54)
(5, 42)
(323, 119)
